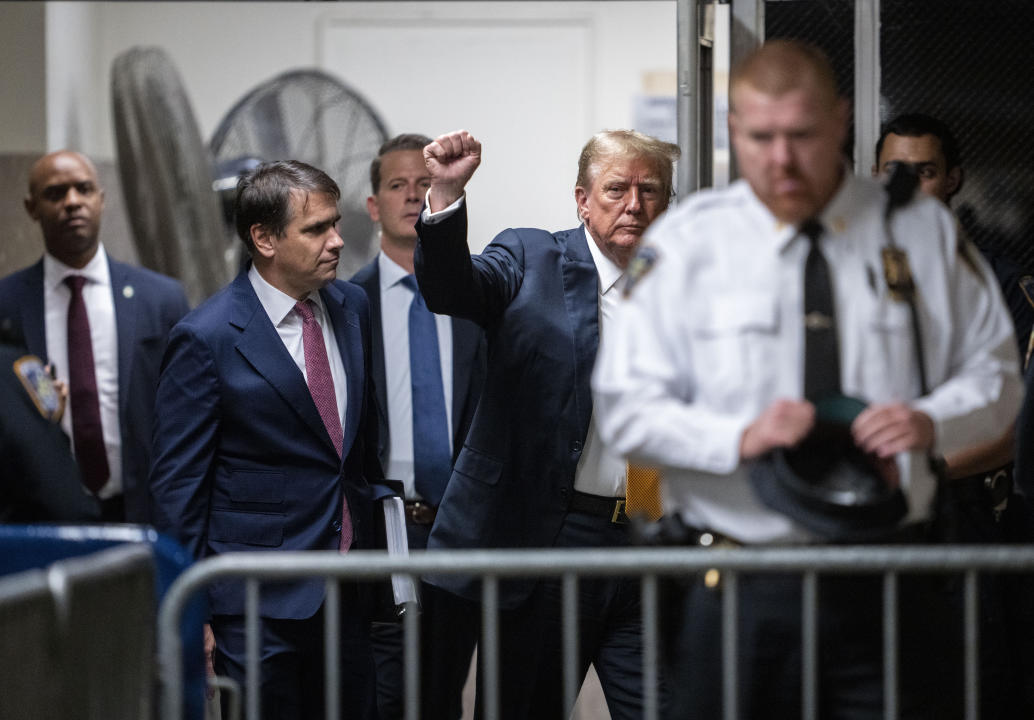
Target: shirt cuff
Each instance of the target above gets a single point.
(429, 218)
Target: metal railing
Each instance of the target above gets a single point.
(649, 564)
(78, 637)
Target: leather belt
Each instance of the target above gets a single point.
(420, 513)
(992, 488)
(611, 508)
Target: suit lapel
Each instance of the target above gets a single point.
(261, 346)
(124, 298)
(350, 345)
(369, 279)
(581, 299)
(32, 312)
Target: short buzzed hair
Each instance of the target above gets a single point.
(86, 161)
(782, 65)
(264, 195)
(917, 125)
(626, 144)
(405, 141)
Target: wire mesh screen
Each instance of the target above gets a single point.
(827, 24)
(963, 62)
(966, 63)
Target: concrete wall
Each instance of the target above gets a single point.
(23, 80)
(533, 127)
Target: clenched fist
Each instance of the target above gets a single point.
(451, 159)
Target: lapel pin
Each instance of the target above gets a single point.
(127, 291)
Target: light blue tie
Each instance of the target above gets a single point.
(432, 462)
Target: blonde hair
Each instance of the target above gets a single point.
(613, 144)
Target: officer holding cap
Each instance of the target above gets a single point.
(768, 357)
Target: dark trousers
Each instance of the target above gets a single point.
(1006, 603)
(448, 633)
(113, 510)
(609, 630)
(291, 668)
(850, 665)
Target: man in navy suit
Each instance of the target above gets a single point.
(449, 624)
(265, 437)
(533, 472)
(130, 312)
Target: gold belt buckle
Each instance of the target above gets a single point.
(619, 516)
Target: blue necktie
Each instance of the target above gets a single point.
(432, 462)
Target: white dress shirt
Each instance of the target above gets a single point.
(600, 471)
(279, 306)
(713, 334)
(100, 310)
(395, 301)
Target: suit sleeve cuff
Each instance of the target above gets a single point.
(429, 218)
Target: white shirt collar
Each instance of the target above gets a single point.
(278, 304)
(95, 271)
(391, 273)
(834, 216)
(609, 273)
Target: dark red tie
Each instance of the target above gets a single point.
(321, 387)
(87, 433)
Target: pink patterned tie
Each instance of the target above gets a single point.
(321, 387)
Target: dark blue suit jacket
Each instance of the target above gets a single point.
(468, 366)
(242, 459)
(536, 296)
(147, 305)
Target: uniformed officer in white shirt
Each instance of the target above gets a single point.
(704, 373)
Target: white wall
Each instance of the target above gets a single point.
(23, 79)
(222, 50)
(73, 69)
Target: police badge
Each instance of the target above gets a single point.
(898, 274)
(39, 385)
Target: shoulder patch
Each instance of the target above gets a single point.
(39, 385)
(640, 265)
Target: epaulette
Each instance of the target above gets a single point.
(708, 200)
(642, 262)
(967, 252)
(39, 385)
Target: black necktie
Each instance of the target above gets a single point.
(821, 351)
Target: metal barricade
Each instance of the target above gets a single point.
(78, 638)
(649, 564)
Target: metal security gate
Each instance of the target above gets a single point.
(570, 565)
(964, 62)
(77, 639)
